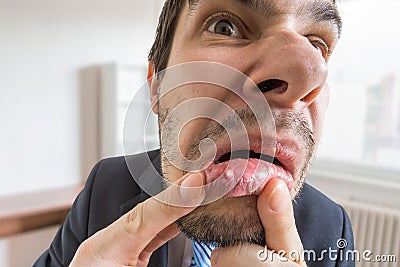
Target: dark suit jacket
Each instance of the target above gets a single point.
(110, 191)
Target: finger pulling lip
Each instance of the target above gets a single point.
(283, 152)
(239, 177)
(245, 176)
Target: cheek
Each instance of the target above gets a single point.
(318, 109)
(184, 114)
(325, 96)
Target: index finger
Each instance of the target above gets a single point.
(150, 217)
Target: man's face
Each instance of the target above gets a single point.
(283, 47)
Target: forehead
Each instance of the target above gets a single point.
(310, 10)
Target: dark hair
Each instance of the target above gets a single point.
(161, 48)
(159, 52)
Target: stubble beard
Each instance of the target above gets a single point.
(235, 220)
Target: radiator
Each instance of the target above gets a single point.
(376, 229)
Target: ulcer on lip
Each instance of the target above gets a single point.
(243, 177)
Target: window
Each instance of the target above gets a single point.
(362, 127)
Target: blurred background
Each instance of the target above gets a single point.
(68, 70)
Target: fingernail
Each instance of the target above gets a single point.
(191, 187)
(280, 200)
(214, 256)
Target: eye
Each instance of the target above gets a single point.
(320, 45)
(225, 27)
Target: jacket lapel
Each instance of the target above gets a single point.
(159, 258)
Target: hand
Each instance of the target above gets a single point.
(276, 212)
(131, 239)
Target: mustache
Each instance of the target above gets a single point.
(294, 122)
(298, 124)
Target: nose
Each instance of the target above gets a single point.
(288, 69)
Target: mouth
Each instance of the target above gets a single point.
(247, 154)
(246, 172)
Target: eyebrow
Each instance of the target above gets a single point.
(318, 11)
(321, 11)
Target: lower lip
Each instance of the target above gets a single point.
(246, 176)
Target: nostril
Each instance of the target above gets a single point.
(273, 84)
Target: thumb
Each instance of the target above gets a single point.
(276, 212)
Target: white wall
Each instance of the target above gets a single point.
(43, 46)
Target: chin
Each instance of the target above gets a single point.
(225, 222)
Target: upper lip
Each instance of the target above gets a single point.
(284, 150)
